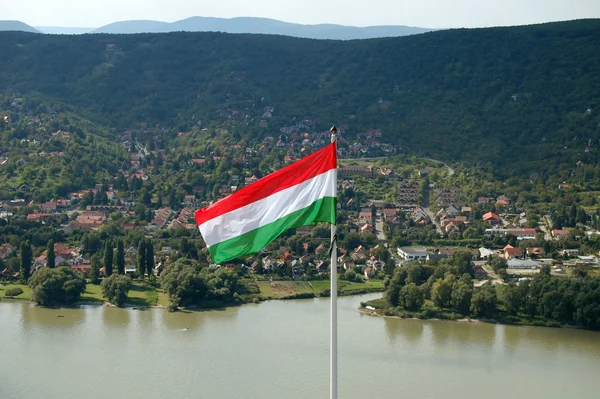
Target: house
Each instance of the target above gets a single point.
(89, 220)
(269, 264)
(557, 233)
(537, 251)
(485, 253)
(436, 257)
(158, 269)
(452, 211)
(483, 200)
(452, 227)
(412, 253)
(321, 250)
(366, 228)
(189, 200)
(297, 268)
(359, 254)
(322, 267)
(466, 209)
(6, 249)
(511, 252)
(286, 256)
(480, 273)
(523, 234)
(39, 217)
(491, 218)
(48, 206)
(370, 272)
(570, 252)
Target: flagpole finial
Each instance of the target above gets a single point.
(333, 129)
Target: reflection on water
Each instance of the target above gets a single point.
(34, 317)
(182, 321)
(280, 350)
(410, 330)
(116, 317)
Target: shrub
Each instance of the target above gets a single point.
(116, 287)
(13, 292)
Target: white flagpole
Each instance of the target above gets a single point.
(333, 372)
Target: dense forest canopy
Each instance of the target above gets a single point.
(496, 96)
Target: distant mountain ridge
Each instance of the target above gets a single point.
(515, 100)
(261, 26)
(58, 30)
(17, 26)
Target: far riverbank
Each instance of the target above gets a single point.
(377, 308)
(146, 294)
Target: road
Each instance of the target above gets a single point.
(434, 221)
(448, 168)
(379, 228)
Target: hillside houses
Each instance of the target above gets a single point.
(161, 217)
(408, 193)
(89, 220)
(446, 197)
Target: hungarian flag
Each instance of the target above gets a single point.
(300, 194)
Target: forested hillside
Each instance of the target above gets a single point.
(502, 97)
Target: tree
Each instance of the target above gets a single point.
(150, 258)
(411, 297)
(260, 269)
(441, 292)
(141, 260)
(108, 258)
(116, 287)
(389, 267)
(462, 291)
(483, 302)
(95, 269)
(62, 286)
(120, 260)
(350, 275)
(182, 282)
(50, 258)
(392, 293)
(26, 260)
(511, 298)
(462, 262)
(498, 263)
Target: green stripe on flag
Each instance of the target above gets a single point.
(322, 210)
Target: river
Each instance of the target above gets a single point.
(279, 349)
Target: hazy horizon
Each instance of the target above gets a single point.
(435, 14)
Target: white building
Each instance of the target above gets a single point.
(412, 253)
(522, 264)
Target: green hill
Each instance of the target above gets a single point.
(508, 98)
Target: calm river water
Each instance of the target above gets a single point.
(279, 349)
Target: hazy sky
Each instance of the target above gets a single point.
(424, 13)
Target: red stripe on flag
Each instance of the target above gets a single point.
(308, 167)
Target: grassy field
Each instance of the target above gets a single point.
(140, 295)
(26, 295)
(280, 289)
(347, 285)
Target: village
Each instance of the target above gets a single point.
(415, 210)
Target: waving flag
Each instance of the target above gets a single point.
(300, 194)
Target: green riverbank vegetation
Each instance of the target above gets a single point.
(446, 291)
